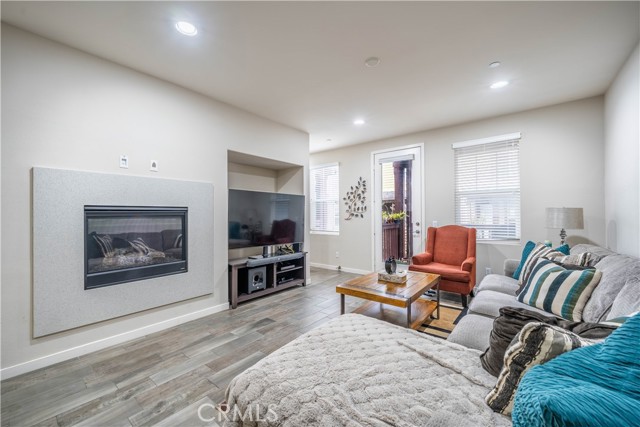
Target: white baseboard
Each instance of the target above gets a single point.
(61, 356)
(335, 268)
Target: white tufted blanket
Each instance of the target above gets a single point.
(358, 371)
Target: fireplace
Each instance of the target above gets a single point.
(125, 244)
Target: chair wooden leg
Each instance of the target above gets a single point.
(464, 300)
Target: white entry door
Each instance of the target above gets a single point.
(397, 204)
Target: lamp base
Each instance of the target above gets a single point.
(563, 236)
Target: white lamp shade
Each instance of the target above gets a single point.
(570, 218)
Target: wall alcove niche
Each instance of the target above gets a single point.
(60, 300)
(249, 172)
(256, 211)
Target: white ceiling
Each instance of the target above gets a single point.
(302, 63)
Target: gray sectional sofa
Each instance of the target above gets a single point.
(617, 294)
(355, 370)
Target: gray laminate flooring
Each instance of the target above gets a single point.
(163, 378)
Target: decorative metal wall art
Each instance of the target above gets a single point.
(355, 200)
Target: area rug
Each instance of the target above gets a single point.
(450, 315)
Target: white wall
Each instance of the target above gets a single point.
(66, 109)
(622, 159)
(561, 165)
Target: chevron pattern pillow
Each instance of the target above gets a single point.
(535, 344)
(557, 290)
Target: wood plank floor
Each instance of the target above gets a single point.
(163, 378)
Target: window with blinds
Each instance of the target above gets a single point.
(388, 181)
(487, 186)
(325, 199)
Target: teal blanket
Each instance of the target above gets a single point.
(597, 385)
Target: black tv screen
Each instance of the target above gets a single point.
(258, 219)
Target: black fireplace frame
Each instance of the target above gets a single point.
(131, 274)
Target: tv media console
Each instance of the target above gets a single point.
(251, 278)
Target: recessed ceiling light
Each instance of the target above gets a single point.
(498, 85)
(328, 139)
(495, 64)
(358, 122)
(186, 28)
(372, 61)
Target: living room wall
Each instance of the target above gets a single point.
(62, 108)
(562, 148)
(622, 159)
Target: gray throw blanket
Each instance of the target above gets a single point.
(358, 371)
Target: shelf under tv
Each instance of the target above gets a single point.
(275, 279)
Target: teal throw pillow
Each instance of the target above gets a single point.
(528, 247)
(565, 249)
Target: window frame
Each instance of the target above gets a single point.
(314, 200)
(501, 199)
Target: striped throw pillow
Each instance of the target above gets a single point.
(559, 291)
(535, 344)
(584, 259)
(539, 251)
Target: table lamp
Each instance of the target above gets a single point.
(562, 218)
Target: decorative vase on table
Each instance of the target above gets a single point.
(390, 265)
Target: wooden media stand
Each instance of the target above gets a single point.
(281, 272)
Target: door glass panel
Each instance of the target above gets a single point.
(397, 205)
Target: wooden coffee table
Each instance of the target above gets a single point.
(402, 304)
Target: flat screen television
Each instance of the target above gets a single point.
(260, 219)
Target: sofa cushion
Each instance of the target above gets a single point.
(597, 385)
(535, 344)
(489, 303)
(559, 291)
(512, 320)
(628, 300)
(471, 332)
(498, 283)
(594, 249)
(616, 269)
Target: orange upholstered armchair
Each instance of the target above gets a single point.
(451, 253)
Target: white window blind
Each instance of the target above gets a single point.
(487, 187)
(388, 181)
(325, 198)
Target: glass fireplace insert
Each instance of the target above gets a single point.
(125, 243)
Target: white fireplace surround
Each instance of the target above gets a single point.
(60, 301)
